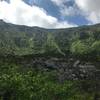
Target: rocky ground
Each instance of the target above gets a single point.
(66, 68)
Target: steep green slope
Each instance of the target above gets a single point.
(31, 69)
(23, 40)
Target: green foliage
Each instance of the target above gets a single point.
(17, 83)
(96, 47)
(30, 85)
(79, 48)
(51, 46)
(20, 40)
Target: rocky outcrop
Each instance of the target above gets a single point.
(65, 68)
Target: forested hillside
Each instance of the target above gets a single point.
(49, 64)
(22, 40)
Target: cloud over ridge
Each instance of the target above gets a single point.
(18, 12)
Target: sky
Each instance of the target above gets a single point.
(50, 13)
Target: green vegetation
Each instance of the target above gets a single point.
(51, 46)
(21, 40)
(24, 77)
(79, 48)
(36, 85)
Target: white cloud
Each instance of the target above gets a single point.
(69, 11)
(59, 2)
(64, 9)
(18, 12)
(90, 9)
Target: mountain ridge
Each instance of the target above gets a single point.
(21, 39)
